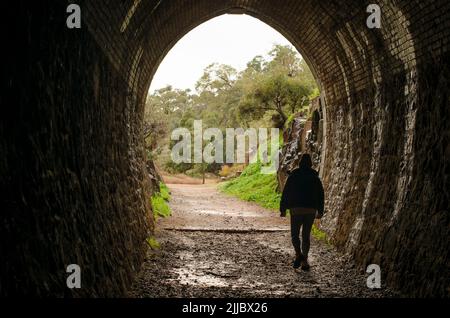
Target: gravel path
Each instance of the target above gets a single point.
(218, 246)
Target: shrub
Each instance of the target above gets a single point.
(225, 171)
(159, 202)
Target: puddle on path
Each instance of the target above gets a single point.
(231, 213)
(210, 273)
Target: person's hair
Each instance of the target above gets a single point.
(305, 161)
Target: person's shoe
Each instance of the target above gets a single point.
(304, 265)
(298, 261)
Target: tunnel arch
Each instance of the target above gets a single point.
(386, 98)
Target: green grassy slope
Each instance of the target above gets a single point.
(160, 200)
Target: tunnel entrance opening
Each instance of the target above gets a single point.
(274, 88)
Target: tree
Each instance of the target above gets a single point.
(218, 96)
(216, 78)
(279, 94)
(164, 108)
(279, 87)
(285, 60)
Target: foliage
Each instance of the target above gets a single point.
(265, 94)
(253, 186)
(159, 202)
(276, 93)
(231, 171)
(320, 235)
(164, 191)
(153, 243)
(164, 110)
(225, 171)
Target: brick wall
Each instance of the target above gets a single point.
(386, 96)
(73, 185)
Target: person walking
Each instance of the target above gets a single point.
(303, 195)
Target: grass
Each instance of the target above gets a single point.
(253, 186)
(160, 200)
(320, 235)
(160, 207)
(164, 191)
(153, 243)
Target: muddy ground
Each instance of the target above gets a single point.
(215, 245)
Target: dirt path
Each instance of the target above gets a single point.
(218, 246)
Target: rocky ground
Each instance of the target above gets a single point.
(218, 246)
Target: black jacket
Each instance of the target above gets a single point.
(303, 189)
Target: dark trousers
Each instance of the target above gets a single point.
(305, 222)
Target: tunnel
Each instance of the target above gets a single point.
(73, 180)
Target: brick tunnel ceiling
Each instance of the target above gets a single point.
(386, 96)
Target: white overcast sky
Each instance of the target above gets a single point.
(227, 39)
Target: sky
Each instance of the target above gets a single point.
(228, 39)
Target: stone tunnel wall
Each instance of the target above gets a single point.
(387, 164)
(79, 103)
(72, 180)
